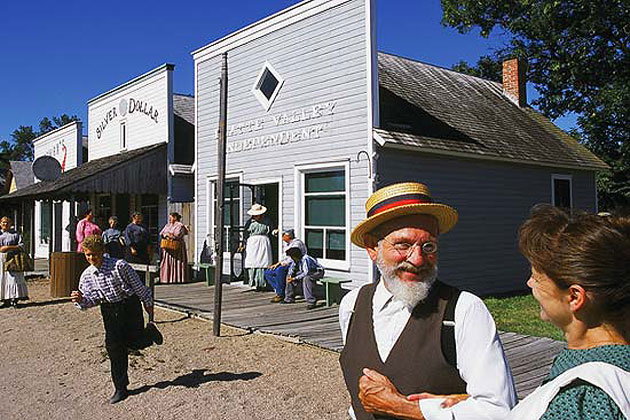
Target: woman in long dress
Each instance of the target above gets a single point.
(258, 247)
(12, 284)
(174, 263)
(85, 228)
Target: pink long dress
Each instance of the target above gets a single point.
(85, 229)
(174, 265)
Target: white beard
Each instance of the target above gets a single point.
(409, 293)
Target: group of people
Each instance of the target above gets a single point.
(296, 271)
(134, 243)
(416, 348)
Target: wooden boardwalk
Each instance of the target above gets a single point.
(529, 357)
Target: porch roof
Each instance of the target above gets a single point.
(140, 171)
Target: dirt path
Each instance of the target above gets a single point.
(53, 365)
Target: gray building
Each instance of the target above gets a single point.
(317, 120)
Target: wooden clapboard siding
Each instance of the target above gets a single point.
(529, 357)
(493, 198)
(154, 88)
(322, 58)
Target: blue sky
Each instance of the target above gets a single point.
(55, 56)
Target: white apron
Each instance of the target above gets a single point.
(613, 380)
(258, 252)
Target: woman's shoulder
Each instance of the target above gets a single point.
(583, 401)
(616, 354)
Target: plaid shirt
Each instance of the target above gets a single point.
(113, 282)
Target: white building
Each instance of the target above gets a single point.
(318, 119)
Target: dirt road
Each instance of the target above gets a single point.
(53, 365)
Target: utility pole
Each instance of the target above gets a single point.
(218, 242)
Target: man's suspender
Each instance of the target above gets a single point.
(447, 334)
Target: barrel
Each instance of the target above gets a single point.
(65, 272)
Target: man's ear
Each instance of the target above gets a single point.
(577, 297)
(371, 246)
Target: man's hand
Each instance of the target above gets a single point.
(149, 310)
(379, 395)
(289, 279)
(449, 400)
(76, 296)
(133, 250)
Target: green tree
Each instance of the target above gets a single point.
(20, 147)
(487, 67)
(579, 60)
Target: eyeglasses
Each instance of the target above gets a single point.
(405, 249)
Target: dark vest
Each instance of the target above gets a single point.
(415, 364)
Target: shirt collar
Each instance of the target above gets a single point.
(382, 296)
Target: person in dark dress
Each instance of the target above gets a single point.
(112, 239)
(137, 241)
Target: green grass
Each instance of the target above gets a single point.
(521, 314)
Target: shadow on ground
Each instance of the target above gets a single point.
(198, 377)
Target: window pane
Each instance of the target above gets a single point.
(44, 230)
(326, 211)
(235, 210)
(268, 84)
(336, 245)
(315, 242)
(233, 186)
(325, 181)
(562, 193)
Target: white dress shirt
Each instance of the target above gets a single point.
(480, 359)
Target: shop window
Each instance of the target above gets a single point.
(232, 214)
(149, 210)
(324, 206)
(267, 86)
(44, 222)
(561, 191)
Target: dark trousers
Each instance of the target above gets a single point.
(124, 329)
(277, 278)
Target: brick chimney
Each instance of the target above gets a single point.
(514, 81)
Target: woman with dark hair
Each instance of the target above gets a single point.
(85, 228)
(581, 278)
(12, 284)
(174, 261)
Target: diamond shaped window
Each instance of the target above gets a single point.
(267, 86)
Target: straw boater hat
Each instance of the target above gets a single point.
(256, 210)
(400, 200)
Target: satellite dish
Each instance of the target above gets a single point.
(47, 168)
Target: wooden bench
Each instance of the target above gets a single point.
(209, 270)
(334, 293)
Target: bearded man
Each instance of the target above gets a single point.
(403, 357)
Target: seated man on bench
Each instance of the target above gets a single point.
(306, 270)
(276, 274)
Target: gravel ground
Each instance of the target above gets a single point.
(53, 365)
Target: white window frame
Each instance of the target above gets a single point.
(563, 177)
(266, 103)
(300, 201)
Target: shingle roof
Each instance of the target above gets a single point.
(82, 179)
(22, 173)
(184, 106)
(430, 107)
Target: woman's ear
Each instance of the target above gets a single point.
(577, 297)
